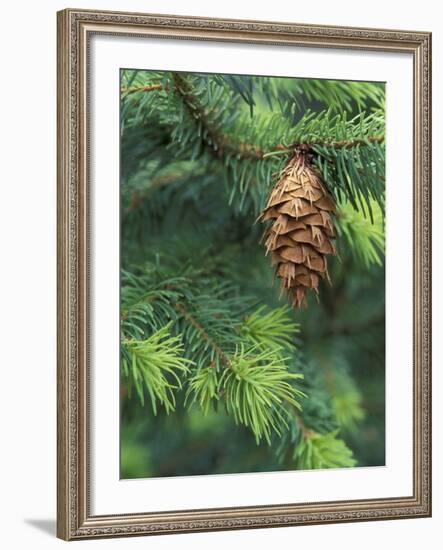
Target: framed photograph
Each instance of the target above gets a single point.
(243, 274)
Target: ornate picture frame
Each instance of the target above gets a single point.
(74, 517)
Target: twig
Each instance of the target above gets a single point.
(224, 358)
(135, 89)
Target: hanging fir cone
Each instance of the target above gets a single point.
(300, 237)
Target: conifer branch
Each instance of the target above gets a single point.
(217, 142)
(147, 300)
(220, 144)
(198, 327)
(143, 302)
(320, 451)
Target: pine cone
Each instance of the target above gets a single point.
(301, 234)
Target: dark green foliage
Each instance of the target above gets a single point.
(218, 374)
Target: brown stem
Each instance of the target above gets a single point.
(218, 143)
(222, 143)
(221, 354)
(348, 143)
(135, 89)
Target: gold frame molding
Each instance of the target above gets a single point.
(74, 519)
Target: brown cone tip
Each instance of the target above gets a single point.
(302, 231)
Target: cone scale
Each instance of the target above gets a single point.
(301, 233)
